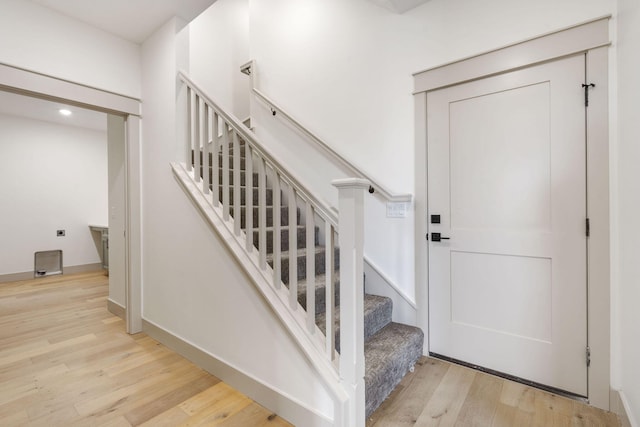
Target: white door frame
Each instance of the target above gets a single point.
(26, 82)
(591, 38)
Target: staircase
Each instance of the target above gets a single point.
(285, 238)
(391, 349)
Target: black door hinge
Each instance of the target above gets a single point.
(588, 356)
(587, 227)
(586, 92)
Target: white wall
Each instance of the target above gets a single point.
(39, 39)
(192, 286)
(344, 69)
(53, 177)
(219, 45)
(628, 207)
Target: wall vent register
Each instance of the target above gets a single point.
(47, 263)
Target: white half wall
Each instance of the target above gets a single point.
(38, 39)
(193, 288)
(53, 177)
(628, 208)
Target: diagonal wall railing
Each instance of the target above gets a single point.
(375, 187)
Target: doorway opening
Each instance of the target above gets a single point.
(17, 81)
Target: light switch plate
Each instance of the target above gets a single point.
(397, 210)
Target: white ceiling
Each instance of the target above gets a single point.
(38, 109)
(133, 20)
(399, 6)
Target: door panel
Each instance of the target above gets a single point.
(519, 149)
(506, 173)
(481, 280)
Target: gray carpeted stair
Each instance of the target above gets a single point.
(389, 355)
(301, 257)
(391, 349)
(377, 314)
(301, 238)
(243, 196)
(284, 215)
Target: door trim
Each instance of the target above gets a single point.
(591, 38)
(38, 85)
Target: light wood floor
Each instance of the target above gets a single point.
(439, 393)
(66, 361)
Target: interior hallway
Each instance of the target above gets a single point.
(66, 361)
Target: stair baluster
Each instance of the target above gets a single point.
(197, 140)
(188, 129)
(329, 295)
(262, 210)
(215, 159)
(310, 247)
(248, 189)
(206, 157)
(225, 172)
(236, 180)
(277, 236)
(293, 243)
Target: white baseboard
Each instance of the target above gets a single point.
(620, 406)
(376, 283)
(16, 277)
(73, 269)
(116, 309)
(86, 268)
(285, 406)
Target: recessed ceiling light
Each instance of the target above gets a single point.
(64, 112)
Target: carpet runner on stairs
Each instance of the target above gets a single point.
(391, 349)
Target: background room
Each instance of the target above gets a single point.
(54, 165)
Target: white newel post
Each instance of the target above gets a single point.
(351, 242)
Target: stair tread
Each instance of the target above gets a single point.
(243, 187)
(377, 314)
(321, 282)
(372, 303)
(299, 252)
(389, 354)
(283, 227)
(392, 336)
(268, 208)
(320, 291)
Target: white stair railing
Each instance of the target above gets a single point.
(215, 140)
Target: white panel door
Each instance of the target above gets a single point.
(506, 174)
